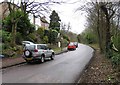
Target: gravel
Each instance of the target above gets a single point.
(100, 70)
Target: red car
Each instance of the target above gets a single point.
(71, 46)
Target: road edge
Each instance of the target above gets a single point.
(79, 79)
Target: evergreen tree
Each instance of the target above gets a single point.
(54, 21)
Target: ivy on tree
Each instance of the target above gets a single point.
(23, 25)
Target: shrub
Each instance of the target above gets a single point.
(19, 38)
(1, 45)
(5, 46)
(65, 37)
(116, 41)
(45, 39)
(40, 31)
(12, 51)
(6, 36)
(109, 54)
(116, 59)
(64, 42)
(31, 37)
(53, 36)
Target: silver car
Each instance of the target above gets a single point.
(37, 52)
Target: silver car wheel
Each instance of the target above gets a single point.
(27, 53)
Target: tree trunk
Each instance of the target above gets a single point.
(13, 44)
(98, 31)
(108, 35)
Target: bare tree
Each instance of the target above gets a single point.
(63, 26)
(68, 26)
(109, 12)
(38, 9)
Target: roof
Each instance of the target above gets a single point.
(43, 20)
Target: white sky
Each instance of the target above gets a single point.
(67, 14)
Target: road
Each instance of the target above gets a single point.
(66, 68)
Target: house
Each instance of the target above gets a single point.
(44, 22)
(4, 10)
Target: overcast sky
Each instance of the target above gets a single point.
(67, 14)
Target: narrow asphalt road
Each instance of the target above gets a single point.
(66, 68)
